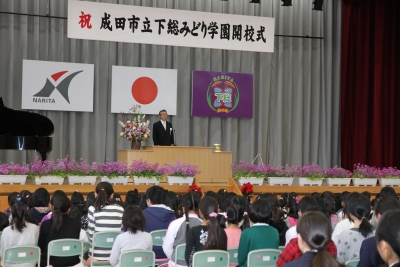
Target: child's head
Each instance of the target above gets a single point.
(18, 213)
(132, 197)
(104, 193)
(60, 205)
(41, 197)
(234, 214)
(292, 207)
(10, 196)
(133, 219)
(77, 198)
(359, 209)
(75, 213)
(388, 236)
(260, 211)
(156, 195)
(208, 206)
(90, 199)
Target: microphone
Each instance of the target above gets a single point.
(174, 138)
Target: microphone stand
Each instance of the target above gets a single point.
(259, 155)
(174, 138)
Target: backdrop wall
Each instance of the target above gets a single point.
(296, 95)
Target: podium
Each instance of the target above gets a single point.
(215, 167)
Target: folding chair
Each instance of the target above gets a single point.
(352, 263)
(180, 253)
(281, 248)
(158, 239)
(21, 254)
(65, 248)
(86, 247)
(103, 240)
(211, 258)
(137, 258)
(233, 255)
(263, 257)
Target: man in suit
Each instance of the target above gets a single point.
(163, 134)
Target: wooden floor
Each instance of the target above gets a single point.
(231, 186)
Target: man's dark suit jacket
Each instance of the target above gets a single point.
(161, 136)
(369, 255)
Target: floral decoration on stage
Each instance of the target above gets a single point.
(195, 187)
(135, 129)
(247, 189)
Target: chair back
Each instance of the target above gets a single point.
(158, 237)
(180, 253)
(211, 258)
(86, 246)
(21, 254)
(64, 248)
(263, 257)
(352, 263)
(233, 255)
(137, 258)
(281, 248)
(103, 240)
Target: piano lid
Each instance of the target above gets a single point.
(23, 123)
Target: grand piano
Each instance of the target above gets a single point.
(23, 130)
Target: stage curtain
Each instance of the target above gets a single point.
(296, 88)
(370, 83)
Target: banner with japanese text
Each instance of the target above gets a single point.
(222, 94)
(161, 26)
(151, 88)
(49, 85)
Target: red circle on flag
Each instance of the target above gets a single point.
(144, 90)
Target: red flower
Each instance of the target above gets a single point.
(194, 187)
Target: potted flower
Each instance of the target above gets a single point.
(180, 173)
(337, 176)
(48, 171)
(365, 175)
(389, 177)
(80, 172)
(146, 173)
(247, 190)
(244, 172)
(13, 173)
(279, 175)
(113, 172)
(135, 129)
(312, 174)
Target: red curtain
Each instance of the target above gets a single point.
(370, 83)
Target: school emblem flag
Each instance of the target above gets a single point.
(222, 94)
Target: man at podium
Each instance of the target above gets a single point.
(163, 133)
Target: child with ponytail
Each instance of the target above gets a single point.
(103, 216)
(179, 228)
(20, 232)
(314, 234)
(349, 241)
(208, 235)
(60, 226)
(234, 218)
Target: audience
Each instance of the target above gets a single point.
(132, 197)
(90, 199)
(369, 256)
(277, 220)
(58, 227)
(179, 228)
(10, 196)
(208, 235)
(134, 237)
(260, 214)
(314, 234)
(292, 211)
(349, 241)
(41, 199)
(385, 192)
(20, 232)
(345, 223)
(388, 238)
(233, 221)
(75, 213)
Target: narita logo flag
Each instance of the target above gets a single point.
(153, 89)
(60, 86)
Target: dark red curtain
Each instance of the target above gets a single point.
(370, 83)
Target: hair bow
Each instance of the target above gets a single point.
(213, 214)
(297, 200)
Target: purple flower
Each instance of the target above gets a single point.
(112, 169)
(365, 171)
(337, 172)
(181, 169)
(142, 168)
(14, 169)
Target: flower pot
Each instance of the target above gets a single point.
(252, 180)
(364, 181)
(115, 180)
(338, 181)
(136, 146)
(49, 180)
(12, 179)
(145, 180)
(179, 180)
(82, 179)
(304, 181)
(280, 180)
(389, 182)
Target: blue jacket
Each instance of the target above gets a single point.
(158, 218)
(369, 255)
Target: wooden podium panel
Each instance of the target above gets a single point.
(215, 166)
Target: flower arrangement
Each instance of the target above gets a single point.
(81, 168)
(364, 171)
(336, 172)
(196, 188)
(389, 173)
(289, 171)
(313, 172)
(112, 169)
(41, 168)
(14, 169)
(142, 168)
(242, 169)
(181, 169)
(135, 129)
(247, 189)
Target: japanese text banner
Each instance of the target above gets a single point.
(160, 26)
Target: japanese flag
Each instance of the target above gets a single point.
(152, 89)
